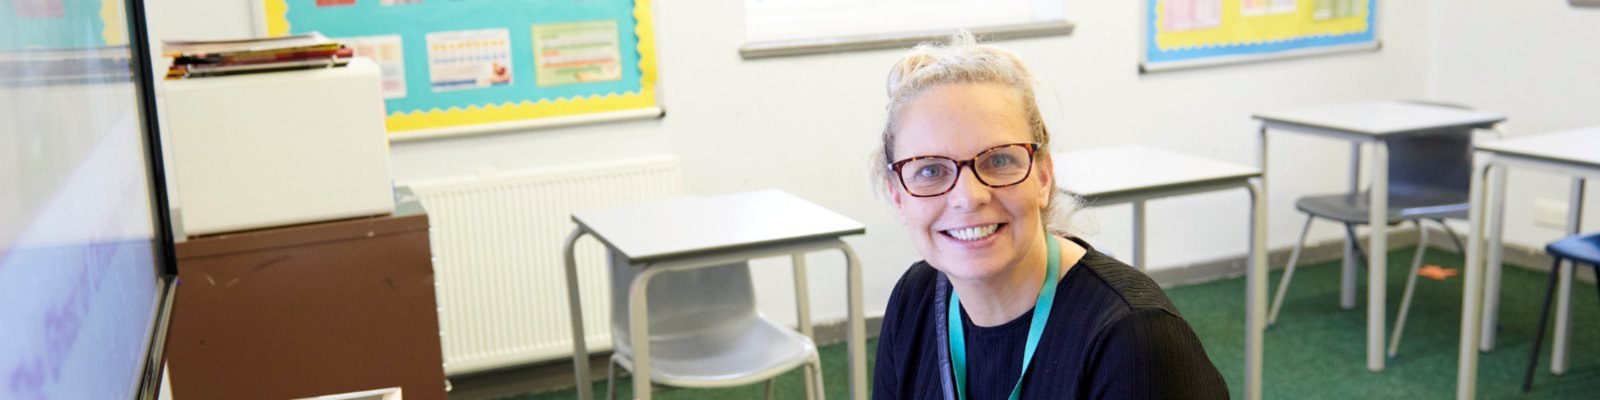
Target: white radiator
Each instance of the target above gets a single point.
(498, 264)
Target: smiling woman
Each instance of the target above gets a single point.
(1004, 285)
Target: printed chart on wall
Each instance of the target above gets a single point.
(1190, 33)
(454, 67)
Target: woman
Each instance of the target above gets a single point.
(1001, 307)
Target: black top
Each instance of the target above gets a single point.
(1112, 334)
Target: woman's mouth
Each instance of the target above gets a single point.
(974, 233)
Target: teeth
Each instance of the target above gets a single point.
(973, 233)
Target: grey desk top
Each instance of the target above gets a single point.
(1577, 146)
(1378, 118)
(1114, 170)
(690, 225)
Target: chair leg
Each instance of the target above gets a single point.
(1544, 319)
(770, 388)
(1411, 287)
(1288, 272)
(816, 367)
(1350, 231)
(611, 377)
(1454, 237)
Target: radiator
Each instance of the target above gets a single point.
(497, 243)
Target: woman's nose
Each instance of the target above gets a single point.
(969, 193)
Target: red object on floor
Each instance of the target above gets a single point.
(1433, 271)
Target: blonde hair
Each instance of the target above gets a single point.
(963, 60)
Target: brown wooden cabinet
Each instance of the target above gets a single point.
(306, 311)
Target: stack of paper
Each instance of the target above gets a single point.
(195, 59)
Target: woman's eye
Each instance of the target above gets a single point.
(931, 171)
(1000, 161)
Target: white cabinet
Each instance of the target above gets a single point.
(280, 148)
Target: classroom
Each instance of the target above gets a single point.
(746, 199)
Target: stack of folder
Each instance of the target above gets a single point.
(196, 59)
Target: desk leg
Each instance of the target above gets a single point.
(1494, 264)
(1558, 351)
(858, 326)
(1256, 293)
(639, 331)
(580, 351)
(1467, 355)
(802, 302)
(1377, 255)
(1349, 271)
(1138, 235)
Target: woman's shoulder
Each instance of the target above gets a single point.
(1133, 287)
(916, 286)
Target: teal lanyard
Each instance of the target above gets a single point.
(1041, 315)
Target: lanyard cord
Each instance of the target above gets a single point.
(1041, 316)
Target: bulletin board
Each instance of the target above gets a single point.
(59, 24)
(457, 67)
(1192, 33)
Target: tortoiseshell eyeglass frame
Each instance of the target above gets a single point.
(1031, 147)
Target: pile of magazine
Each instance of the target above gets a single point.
(195, 59)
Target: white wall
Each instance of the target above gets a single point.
(1538, 62)
(806, 125)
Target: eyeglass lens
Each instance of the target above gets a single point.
(995, 167)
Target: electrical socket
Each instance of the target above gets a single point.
(1550, 213)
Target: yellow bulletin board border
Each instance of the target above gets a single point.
(545, 113)
(1243, 38)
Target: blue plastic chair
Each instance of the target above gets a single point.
(1429, 179)
(1580, 249)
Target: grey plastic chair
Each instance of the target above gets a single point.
(1429, 177)
(705, 331)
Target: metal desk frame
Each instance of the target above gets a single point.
(1377, 220)
(1481, 294)
(639, 328)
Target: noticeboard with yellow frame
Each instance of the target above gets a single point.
(1193, 33)
(460, 67)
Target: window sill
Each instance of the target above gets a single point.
(840, 44)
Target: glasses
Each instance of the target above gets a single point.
(997, 167)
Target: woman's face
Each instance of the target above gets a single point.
(959, 121)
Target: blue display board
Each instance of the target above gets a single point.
(430, 32)
(1181, 33)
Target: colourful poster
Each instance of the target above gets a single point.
(386, 51)
(1330, 9)
(1265, 7)
(1183, 15)
(576, 52)
(39, 9)
(469, 59)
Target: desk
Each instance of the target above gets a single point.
(1135, 174)
(1575, 153)
(699, 232)
(1372, 122)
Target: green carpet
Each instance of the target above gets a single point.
(1317, 350)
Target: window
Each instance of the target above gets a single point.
(851, 21)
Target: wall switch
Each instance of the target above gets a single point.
(1550, 213)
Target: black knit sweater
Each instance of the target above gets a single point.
(1112, 334)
